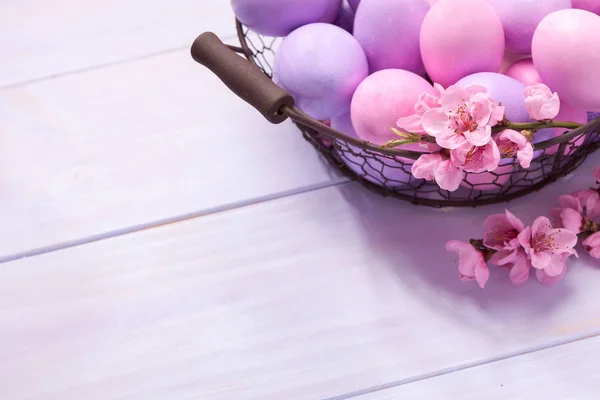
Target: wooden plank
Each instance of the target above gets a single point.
(40, 38)
(560, 373)
(311, 296)
(132, 143)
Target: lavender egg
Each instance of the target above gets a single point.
(566, 53)
(280, 17)
(381, 99)
(381, 171)
(388, 31)
(588, 5)
(321, 65)
(504, 89)
(521, 17)
(459, 38)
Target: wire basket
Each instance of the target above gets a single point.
(386, 171)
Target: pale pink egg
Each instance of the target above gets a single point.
(381, 99)
(459, 38)
(376, 169)
(566, 53)
(589, 5)
(388, 31)
(509, 59)
(524, 71)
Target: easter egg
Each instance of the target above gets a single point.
(345, 17)
(381, 171)
(381, 99)
(490, 181)
(566, 53)
(354, 4)
(459, 38)
(320, 65)
(388, 31)
(525, 72)
(567, 113)
(588, 5)
(280, 17)
(504, 89)
(521, 17)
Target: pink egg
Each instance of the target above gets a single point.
(280, 17)
(381, 99)
(567, 113)
(378, 170)
(588, 5)
(322, 89)
(388, 31)
(521, 17)
(566, 53)
(509, 59)
(504, 89)
(459, 38)
(490, 181)
(525, 72)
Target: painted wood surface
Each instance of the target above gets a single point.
(328, 293)
(568, 372)
(128, 144)
(40, 39)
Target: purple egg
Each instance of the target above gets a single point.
(321, 65)
(521, 17)
(280, 17)
(345, 18)
(389, 33)
(504, 89)
(354, 4)
(378, 170)
(588, 5)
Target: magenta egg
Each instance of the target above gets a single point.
(588, 5)
(459, 38)
(381, 99)
(378, 170)
(280, 17)
(388, 31)
(321, 89)
(510, 92)
(566, 53)
(521, 17)
(524, 71)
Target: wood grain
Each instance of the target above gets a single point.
(568, 372)
(39, 39)
(317, 295)
(132, 143)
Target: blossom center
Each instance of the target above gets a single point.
(462, 120)
(508, 148)
(542, 242)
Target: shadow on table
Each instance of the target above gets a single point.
(409, 241)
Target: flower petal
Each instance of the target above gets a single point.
(525, 238)
(482, 275)
(571, 220)
(424, 166)
(519, 273)
(561, 240)
(435, 122)
(453, 98)
(448, 176)
(450, 140)
(412, 123)
(480, 136)
(515, 222)
(525, 155)
(540, 260)
(556, 266)
(567, 201)
(543, 278)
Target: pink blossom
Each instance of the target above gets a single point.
(476, 158)
(466, 116)
(502, 231)
(425, 102)
(437, 167)
(592, 245)
(568, 215)
(511, 143)
(548, 280)
(471, 264)
(518, 263)
(540, 102)
(590, 200)
(542, 243)
(597, 174)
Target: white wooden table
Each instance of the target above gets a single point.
(143, 257)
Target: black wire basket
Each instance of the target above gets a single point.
(386, 171)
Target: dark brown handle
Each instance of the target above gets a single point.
(242, 77)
